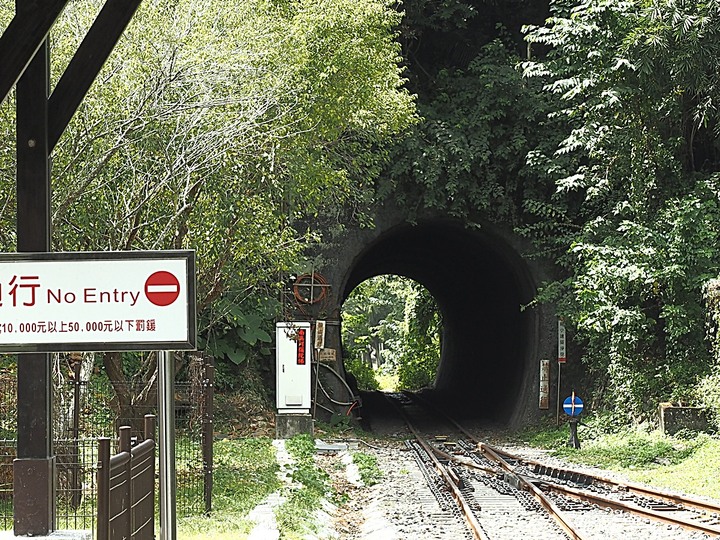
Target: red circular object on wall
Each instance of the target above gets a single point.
(162, 288)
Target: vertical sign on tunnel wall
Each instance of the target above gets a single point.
(544, 385)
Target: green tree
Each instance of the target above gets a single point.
(392, 321)
(635, 208)
(221, 126)
(467, 157)
(420, 354)
(372, 320)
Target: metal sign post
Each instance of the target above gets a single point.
(562, 358)
(166, 417)
(573, 407)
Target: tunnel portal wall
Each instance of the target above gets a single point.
(483, 281)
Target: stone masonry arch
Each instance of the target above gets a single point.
(481, 279)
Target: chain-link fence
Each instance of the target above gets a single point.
(84, 410)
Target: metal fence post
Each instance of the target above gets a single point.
(103, 489)
(149, 427)
(208, 431)
(75, 481)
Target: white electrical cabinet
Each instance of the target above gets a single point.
(292, 383)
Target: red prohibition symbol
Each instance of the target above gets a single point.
(162, 288)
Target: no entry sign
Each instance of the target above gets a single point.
(162, 288)
(97, 301)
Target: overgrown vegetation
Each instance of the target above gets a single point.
(221, 127)
(707, 392)
(635, 211)
(295, 515)
(245, 474)
(599, 140)
(229, 127)
(686, 462)
(391, 324)
(368, 468)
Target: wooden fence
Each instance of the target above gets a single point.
(126, 487)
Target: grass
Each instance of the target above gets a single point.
(697, 474)
(688, 463)
(368, 468)
(245, 474)
(294, 517)
(387, 380)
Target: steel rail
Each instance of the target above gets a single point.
(637, 489)
(550, 507)
(475, 527)
(625, 506)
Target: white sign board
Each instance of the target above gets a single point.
(562, 354)
(97, 301)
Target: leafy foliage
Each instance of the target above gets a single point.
(420, 355)
(373, 319)
(707, 391)
(397, 320)
(367, 465)
(634, 204)
(467, 156)
(220, 127)
(363, 373)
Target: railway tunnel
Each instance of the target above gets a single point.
(489, 343)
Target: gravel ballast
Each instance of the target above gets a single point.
(402, 506)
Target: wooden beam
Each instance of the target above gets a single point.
(23, 37)
(86, 64)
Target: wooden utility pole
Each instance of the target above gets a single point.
(34, 468)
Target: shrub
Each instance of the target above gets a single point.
(708, 395)
(364, 374)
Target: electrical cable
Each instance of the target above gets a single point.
(340, 377)
(351, 408)
(328, 396)
(328, 409)
(318, 382)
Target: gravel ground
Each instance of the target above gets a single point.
(402, 507)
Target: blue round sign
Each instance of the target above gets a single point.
(573, 406)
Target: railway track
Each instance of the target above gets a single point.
(537, 500)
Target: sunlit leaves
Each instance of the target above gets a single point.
(395, 321)
(220, 126)
(636, 87)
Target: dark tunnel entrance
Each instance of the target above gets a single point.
(480, 284)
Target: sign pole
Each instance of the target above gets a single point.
(562, 358)
(558, 393)
(166, 417)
